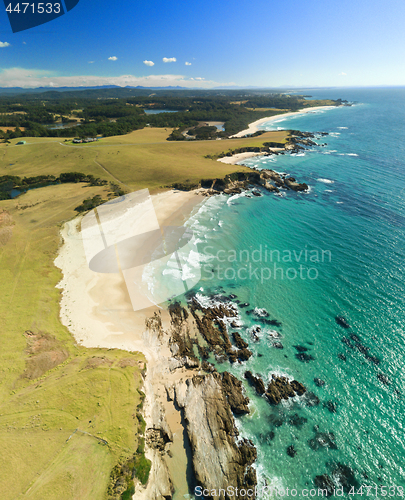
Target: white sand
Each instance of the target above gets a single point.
(254, 127)
(234, 159)
(96, 307)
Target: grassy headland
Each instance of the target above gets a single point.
(67, 413)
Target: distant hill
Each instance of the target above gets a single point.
(41, 90)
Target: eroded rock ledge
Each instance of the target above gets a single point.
(218, 459)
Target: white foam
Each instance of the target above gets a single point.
(260, 312)
(343, 128)
(325, 181)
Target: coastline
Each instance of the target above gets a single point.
(99, 319)
(96, 309)
(254, 126)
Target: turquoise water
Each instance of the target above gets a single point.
(352, 225)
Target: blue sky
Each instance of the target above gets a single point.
(262, 43)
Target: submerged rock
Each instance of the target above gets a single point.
(311, 399)
(341, 321)
(304, 357)
(331, 406)
(347, 342)
(291, 451)
(323, 440)
(383, 378)
(297, 421)
(319, 382)
(344, 476)
(324, 482)
(300, 348)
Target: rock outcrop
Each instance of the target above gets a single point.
(218, 459)
(256, 382)
(281, 388)
(232, 388)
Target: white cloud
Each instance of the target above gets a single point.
(169, 59)
(113, 58)
(27, 78)
(199, 78)
(24, 43)
(91, 62)
(187, 63)
(342, 74)
(149, 63)
(4, 44)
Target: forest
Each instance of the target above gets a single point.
(110, 112)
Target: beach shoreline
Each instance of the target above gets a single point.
(97, 310)
(254, 126)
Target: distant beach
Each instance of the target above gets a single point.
(254, 127)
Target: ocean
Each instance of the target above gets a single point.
(304, 259)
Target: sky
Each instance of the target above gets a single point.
(206, 43)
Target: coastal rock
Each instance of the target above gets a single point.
(232, 388)
(281, 388)
(298, 387)
(244, 354)
(159, 483)
(239, 342)
(255, 382)
(158, 438)
(217, 458)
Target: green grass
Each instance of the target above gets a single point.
(141, 159)
(37, 417)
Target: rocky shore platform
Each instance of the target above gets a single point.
(204, 402)
(267, 179)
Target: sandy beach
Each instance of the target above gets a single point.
(96, 307)
(254, 127)
(234, 159)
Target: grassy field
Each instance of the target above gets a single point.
(138, 160)
(68, 413)
(49, 386)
